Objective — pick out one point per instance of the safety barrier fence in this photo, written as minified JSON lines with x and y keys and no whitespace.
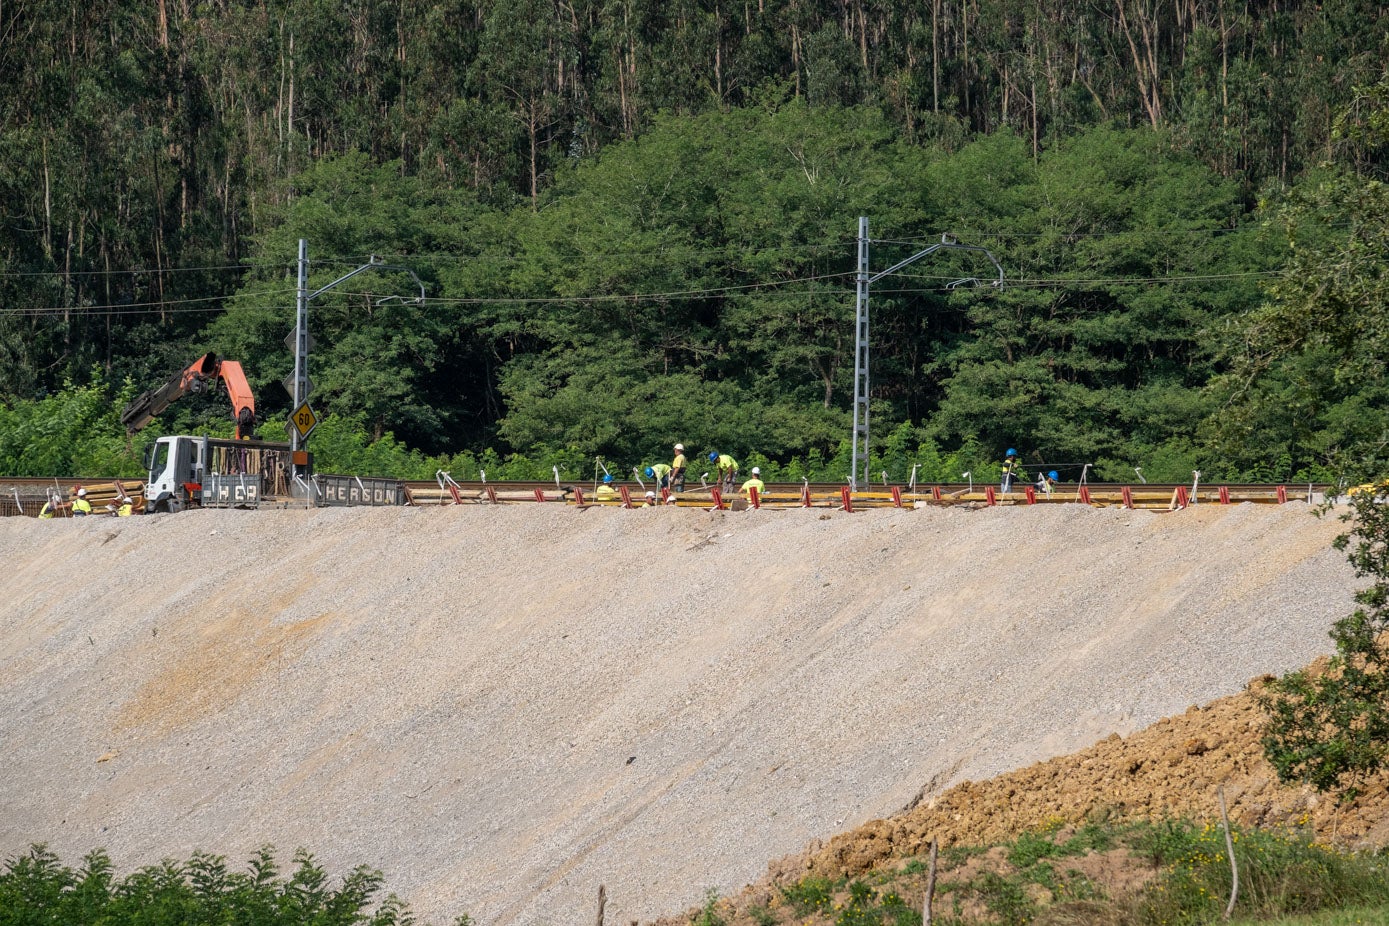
{"x":27,"y":496}
{"x":1164,"y":498}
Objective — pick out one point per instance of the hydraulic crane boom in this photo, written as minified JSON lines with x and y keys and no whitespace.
{"x":206,"y":369}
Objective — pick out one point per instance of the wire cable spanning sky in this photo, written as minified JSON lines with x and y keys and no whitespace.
{"x":838,"y":285}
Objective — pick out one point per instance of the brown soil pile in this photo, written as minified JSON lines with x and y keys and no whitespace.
{"x":1172,"y":769}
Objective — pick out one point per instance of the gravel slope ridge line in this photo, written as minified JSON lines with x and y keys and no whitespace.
{"x":504,"y":707}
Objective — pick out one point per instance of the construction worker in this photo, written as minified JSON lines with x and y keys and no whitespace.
{"x":677,"y":469}
{"x":754,"y":483}
{"x":661,"y":473}
{"x":650,"y":500}
{"x":727,"y":468}
{"x":1048,"y":482}
{"x":1011,"y":468}
{"x":123,"y":504}
{"x":80,"y":506}
{"x":606,"y":492}
{"x":50,"y":507}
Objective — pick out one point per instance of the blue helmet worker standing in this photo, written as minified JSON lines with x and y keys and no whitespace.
{"x":1011,"y":468}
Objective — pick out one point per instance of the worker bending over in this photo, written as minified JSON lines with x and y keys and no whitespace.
{"x":661,"y":473}
{"x":727,"y":468}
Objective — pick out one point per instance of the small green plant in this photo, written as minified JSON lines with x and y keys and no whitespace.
{"x":1030,"y":848}
{"x":1005,"y":899}
{"x":761,"y":915}
{"x":709,"y":913}
{"x":861,"y":909}
{"x":809,"y":895}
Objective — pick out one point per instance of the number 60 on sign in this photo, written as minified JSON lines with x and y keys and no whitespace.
{"x":303,"y":421}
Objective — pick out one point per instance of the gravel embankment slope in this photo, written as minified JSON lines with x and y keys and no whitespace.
{"x":504,"y":707}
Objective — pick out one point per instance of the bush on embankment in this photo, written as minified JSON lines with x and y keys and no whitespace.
{"x":36,"y":889}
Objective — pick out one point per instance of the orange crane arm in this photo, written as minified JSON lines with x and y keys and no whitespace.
{"x":205,"y":369}
{"x":239,"y":391}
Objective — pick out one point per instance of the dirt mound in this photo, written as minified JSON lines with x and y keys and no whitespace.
{"x":504,"y":707}
{"x":1172,"y":769}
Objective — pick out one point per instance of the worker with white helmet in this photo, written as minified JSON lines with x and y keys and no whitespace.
{"x":755,"y":483}
{"x":80,"y":506}
{"x":677,"y":469}
{"x":51,"y":506}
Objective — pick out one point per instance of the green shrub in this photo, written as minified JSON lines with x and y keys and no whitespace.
{"x":809,"y":895}
{"x":35,"y":889}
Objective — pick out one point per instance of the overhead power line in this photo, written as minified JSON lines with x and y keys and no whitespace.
{"x":774,"y":289}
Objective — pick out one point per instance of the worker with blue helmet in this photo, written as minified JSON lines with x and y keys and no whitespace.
{"x":659,"y":472}
{"x":1047,"y":482}
{"x":1011,"y":468}
{"x":606,"y":492}
{"x":727,"y":468}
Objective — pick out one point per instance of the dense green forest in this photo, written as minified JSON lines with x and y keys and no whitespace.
{"x":636,"y":223}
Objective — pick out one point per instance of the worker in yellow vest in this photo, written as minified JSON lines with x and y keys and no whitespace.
{"x":677,"y":469}
{"x":80,"y":506}
{"x":606,"y":492}
{"x":727,"y":468}
{"x":50,"y":507}
{"x":754,"y":483}
{"x":661,"y":473}
{"x":1011,"y":468}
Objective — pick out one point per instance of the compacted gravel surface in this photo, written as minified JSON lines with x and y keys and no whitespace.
{"x":504,"y":707}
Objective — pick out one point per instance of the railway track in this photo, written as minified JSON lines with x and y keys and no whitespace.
{"x":26,"y":495}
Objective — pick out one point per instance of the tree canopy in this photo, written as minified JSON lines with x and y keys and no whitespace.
{"x":635,"y":223}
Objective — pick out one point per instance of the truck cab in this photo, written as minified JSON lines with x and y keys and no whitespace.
{"x":174,"y":470}
{"x":185,"y":471}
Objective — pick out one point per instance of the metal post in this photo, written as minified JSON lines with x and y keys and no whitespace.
{"x":301,"y":323}
{"x":860,"y":438}
{"x":301,"y":342}
{"x":865,"y":280}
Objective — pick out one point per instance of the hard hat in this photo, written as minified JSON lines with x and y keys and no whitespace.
{"x":1052,"y":475}
{"x":713,"y":455}
{"x":81,"y":493}
{"x":650,"y":471}
{"x":650,"y":494}
{"x":756,"y":471}
{"x":679,"y":446}
{"x":1011,"y":452}
{"x":607,"y":477}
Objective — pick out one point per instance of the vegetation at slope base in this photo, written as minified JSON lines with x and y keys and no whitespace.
{"x":1120,"y":794}
{"x":1098,"y":874}
{"x":37,"y":888}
